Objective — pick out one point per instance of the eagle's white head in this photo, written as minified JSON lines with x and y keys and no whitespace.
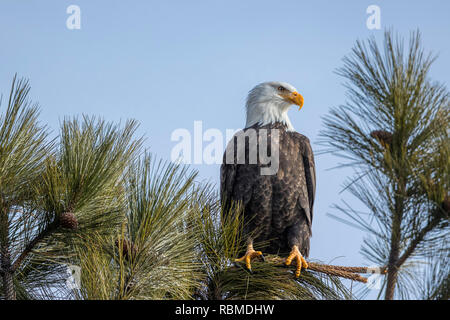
{"x":269,"y":102}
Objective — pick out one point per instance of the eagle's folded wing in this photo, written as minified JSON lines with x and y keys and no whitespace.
{"x":310,"y":173}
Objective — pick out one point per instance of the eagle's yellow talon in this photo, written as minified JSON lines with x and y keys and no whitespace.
{"x":249,"y":255}
{"x":300,"y":261}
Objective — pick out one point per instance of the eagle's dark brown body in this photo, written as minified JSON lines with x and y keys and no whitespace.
{"x":278,"y":208}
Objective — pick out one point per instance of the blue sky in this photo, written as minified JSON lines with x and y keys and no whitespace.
{"x":169,"y":63}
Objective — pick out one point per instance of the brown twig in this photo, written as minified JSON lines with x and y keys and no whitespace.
{"x":350,"y":269}
{"x":330,"y":270}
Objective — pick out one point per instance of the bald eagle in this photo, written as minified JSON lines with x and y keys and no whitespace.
{"x":278,"y":205}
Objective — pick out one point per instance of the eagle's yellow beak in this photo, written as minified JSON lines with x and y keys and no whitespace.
{"x":294,"y":98}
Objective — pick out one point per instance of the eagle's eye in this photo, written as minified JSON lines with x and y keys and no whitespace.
{"x":281,"y":89}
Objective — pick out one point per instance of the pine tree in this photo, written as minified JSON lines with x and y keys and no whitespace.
{"x":54,"y":192}
{"x":393,"y":132}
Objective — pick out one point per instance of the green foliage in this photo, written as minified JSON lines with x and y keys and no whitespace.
{"x":393,"y":131}
{"x":153,"y":256}
{"x":83,"y":175}
{"x":23,"y":147}
{"x":23,"y":144}
{"x":437,"y":277}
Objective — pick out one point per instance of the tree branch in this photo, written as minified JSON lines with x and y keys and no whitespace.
{"x":415,"y":242}
{"x":44,"y":233}
{"x":339,"y":271}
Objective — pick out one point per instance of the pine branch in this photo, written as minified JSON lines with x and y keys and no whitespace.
{"x":416,"y":241}
{"x":39,"y":237}
{"x":394,"y":127}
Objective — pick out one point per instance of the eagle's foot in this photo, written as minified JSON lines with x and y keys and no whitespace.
{"x":249,"y":255}
{"x":301,"y":262}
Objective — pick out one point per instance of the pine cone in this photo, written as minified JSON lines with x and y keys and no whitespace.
{"x":68,"y":220}
{"x":128,"y":248}
{"x":384,"y":137}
